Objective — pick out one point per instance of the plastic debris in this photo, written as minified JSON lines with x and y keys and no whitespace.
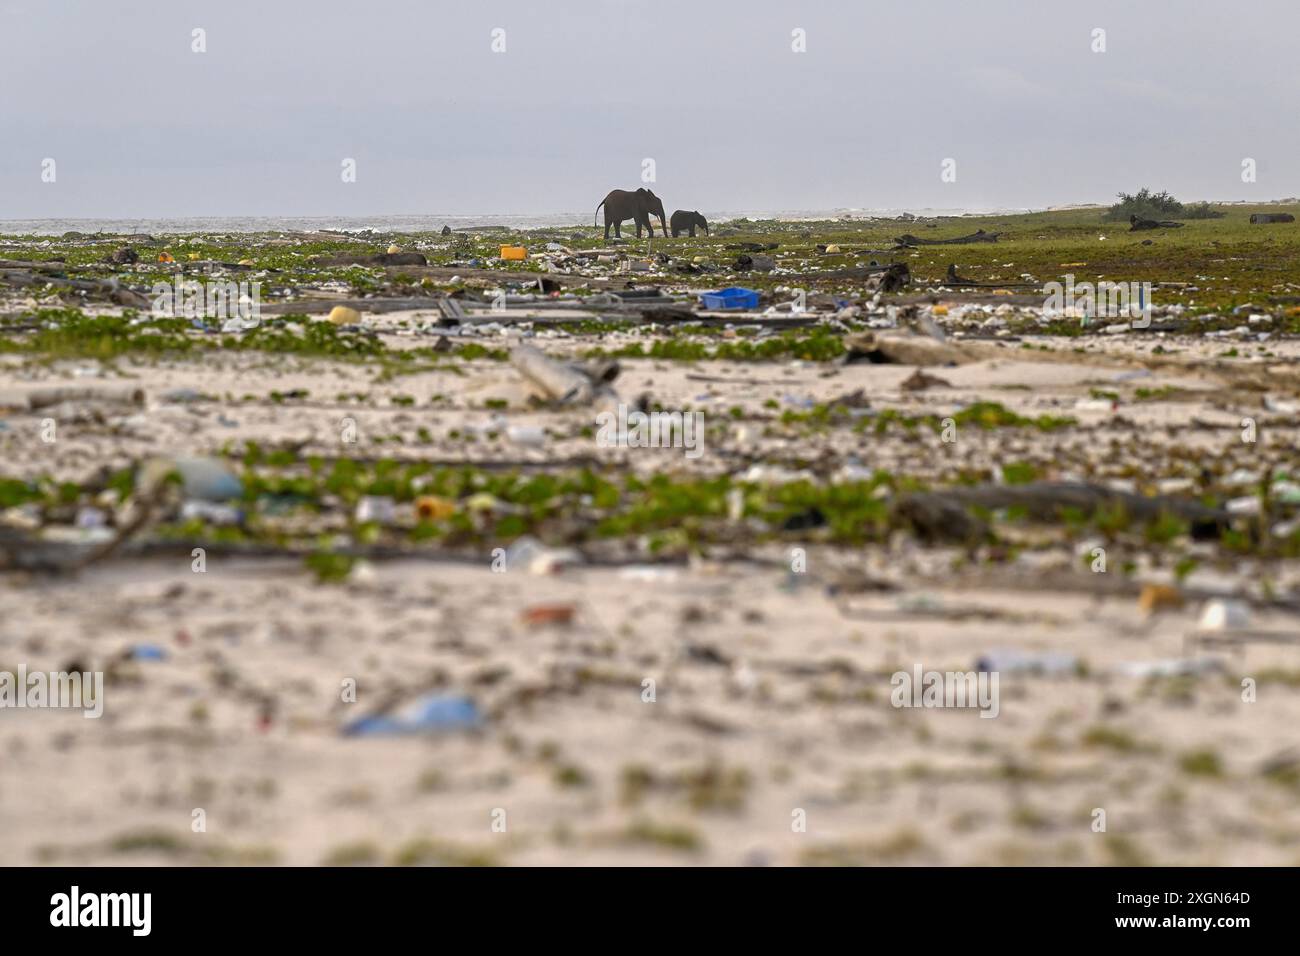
{"x":563,"y":383}
{"x":529,"y":554}
{"x":427,"y":714}
{"x":532,"y":436}
{"x":1159,"y":597}
{"x":342,"y":315}
{"x":735,"y":297}
{"x":1224,"y":614}
{"x":239,"y":324}
{"x":545,"y":615}
{"x":434,"y":508}
{"x":1022,"y":662}
{"x":1171,"y":667}
{"x":88,"y":517}
{"x":648,"y":573}
{"x":377,"y":508}
{"x":206,"y":479}
{"x":211,"y":512}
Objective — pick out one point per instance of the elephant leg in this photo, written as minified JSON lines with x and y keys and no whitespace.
{"x":692,"y":232}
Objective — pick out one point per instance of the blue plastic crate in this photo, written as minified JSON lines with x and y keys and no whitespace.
{"x":733,"y":298}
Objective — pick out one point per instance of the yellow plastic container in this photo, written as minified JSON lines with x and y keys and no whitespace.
{"x":517,"y":253}
{"x":342,"y":315}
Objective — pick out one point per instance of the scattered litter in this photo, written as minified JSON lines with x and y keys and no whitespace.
{"x":565,"y":384}
{"x":1010,"y":661}
{"x":213,"y":513}
{"x":343,"y":315}
{"x":760,"y":473}
{"x":735,"y":297}
{"x":531,"y":436}
{"x":648,"y":573}
{"x":432,"y":712}
{"x":207,"y":479}
{"x":546,"y":615}
{"x":529,"y":554}
{"x":377,"y":508}
{"x":434,"y":508}
{"x":88,"y":517}
{"x":1224,"y":614}
{"x":239,"y":324}
{"x":1248,"y":505}
{"x":1171,"y":667}
{"x":1159,"y":597}
{"x":1281,"y":405}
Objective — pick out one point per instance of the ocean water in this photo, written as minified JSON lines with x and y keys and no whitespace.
{"x":561,"y":220}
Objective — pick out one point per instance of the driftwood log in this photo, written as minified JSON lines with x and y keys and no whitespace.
{"x":117,"y":395}
{"x":109,"y":289}
{"x":978,"y":236}
{"x":154,"y":499}
{"x":952,"y":279}
{"x":900,"y":349}
{"x":1137,"y":225}
{"x":559,"y":382}
{"x":371,"y":259}
{"x":945,"y":516}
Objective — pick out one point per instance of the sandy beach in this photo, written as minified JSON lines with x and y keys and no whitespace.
{"x":713,"y":687}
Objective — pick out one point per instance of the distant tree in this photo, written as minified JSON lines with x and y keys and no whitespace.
{"x":1148,"y":205}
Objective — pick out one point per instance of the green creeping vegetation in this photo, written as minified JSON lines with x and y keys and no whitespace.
{"x":292,"y":503}
{"x":501,"y":506}
{"x":329,"y":567}
{"x":983,"y":415}
{"x":70,"y":333}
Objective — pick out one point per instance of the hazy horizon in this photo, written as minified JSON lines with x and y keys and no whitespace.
{"x":258,"y":125}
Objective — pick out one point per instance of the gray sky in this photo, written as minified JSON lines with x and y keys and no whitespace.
{"x":139,"y":125}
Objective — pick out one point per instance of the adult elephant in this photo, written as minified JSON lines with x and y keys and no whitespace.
{"x":621,"y":205}
{"x":683,"y":220}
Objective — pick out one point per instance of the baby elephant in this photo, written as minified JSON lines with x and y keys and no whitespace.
{"x":683,"y":220}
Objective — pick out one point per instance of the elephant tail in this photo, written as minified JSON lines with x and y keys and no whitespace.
{"x":593,"y":215}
